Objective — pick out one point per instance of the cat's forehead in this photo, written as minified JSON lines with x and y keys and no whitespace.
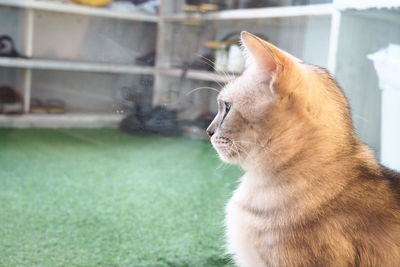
{"x":243,"y":87}
{"x":229,"y":91}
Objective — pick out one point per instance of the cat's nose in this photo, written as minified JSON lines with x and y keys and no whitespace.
{"x":211,"y":128}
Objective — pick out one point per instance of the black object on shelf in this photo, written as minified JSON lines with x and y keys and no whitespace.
{"x":147,"y":60}
{"x":7,"y":47}
{"x":201,"y":121}
{"x":309,"y":2}
{"x":161,"y":121}
{"x":243,"y":4}
{"x":151,"y":121}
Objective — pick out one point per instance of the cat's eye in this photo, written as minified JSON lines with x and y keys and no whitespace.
{"x":228,"y":107}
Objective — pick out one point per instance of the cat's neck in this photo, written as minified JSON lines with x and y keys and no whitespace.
{"x":303,"y":181}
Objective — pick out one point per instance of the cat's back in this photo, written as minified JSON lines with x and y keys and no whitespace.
{"x":393,"y":177}
{"x":360,"y":227}
{"x":369,"y":216}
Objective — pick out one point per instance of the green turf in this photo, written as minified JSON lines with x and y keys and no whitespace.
{"x":102,"y":198}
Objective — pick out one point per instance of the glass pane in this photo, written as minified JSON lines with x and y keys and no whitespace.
{"x":105,"y":157}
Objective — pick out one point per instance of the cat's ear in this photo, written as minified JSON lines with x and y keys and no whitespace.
{"x":258,"y":52}
{"x":268,"y":58}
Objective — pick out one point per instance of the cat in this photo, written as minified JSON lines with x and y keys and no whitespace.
{"x":312,"y":193}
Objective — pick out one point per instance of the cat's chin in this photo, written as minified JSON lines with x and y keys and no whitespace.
{"x":229,"y":155}
{"x":227,"y":150}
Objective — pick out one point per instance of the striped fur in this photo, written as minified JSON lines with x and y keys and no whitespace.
{"x":312,"y":193}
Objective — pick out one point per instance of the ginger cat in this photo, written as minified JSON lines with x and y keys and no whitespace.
{"x":312,"y":193}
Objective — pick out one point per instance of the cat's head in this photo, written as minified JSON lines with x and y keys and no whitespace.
{"x":276,"y":107}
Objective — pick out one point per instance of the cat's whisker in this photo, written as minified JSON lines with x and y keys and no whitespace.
{"x":222,"y":166}
{"x":257,"y":144}
{"x":208,"y":61}
{"x":244,"y":151}
{"x":263,"y":147}
{"x":239,"y":154}
{"x":229,"y":78}
{"x":190,"y":92}
{"x":200,"y":88}
{"x":232,"y":75}
{"x":212,"y":65}
{"x":219,"y":166}
{"x":254,"y":144}
{"x":235,"y":150}
{"x":240,"y":149}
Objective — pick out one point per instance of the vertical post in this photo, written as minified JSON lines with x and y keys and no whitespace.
{"x":28,"y":51}
{"x":334,"y":41}
{"x":160,"y":51}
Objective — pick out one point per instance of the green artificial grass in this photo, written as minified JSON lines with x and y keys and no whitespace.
{"x":83,"y":197}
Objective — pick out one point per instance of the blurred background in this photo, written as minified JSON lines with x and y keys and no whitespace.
{"x":104,"y":159}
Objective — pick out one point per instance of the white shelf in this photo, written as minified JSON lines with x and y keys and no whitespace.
{"x":365,"y":4}
{"x":77,"y":9}
{"x":73,"y":66}
{"x":258,"y":13}
{"x":198,"y":75}
{"x":41,"y":64}
{"x":60,"y":120}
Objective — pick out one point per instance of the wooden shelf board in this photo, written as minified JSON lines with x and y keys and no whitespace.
{"x":78,"y":9}
{"x":73,"y":66}
{"x":67,"y":120}
{"x":257,"y":13}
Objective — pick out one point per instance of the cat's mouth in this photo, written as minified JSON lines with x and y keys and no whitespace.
{"x":222,"y":141}
{"x":226,"y":148}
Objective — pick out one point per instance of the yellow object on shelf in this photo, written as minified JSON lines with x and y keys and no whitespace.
{"x":213,"y":44}
{"x":93,"y":2}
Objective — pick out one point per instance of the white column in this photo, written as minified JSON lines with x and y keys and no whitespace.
{"x":334,"y":41}
{"x":28,"y":51}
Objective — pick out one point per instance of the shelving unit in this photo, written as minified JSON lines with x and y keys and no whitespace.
{"x":31,"y":20}
{"x":337,"y":36}
{"x":319,"y":34}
